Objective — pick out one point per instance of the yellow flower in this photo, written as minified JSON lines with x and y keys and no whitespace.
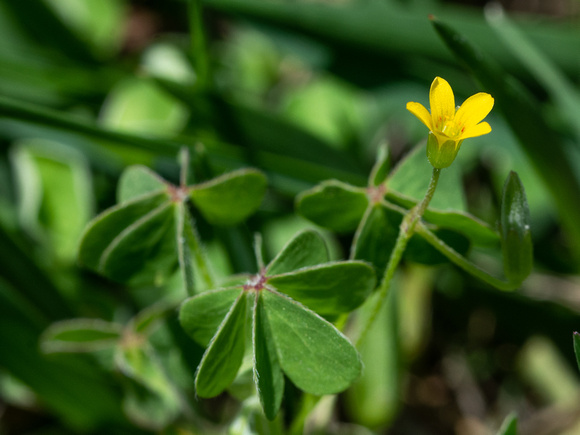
{"x":449,"y":125}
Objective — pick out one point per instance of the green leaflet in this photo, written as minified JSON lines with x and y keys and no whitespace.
{"x":138,"y":105}
{"x":80,"y":335}
{"x":268,"y":375}
{"x":330,"y":288}
{"x":312,"y":352}
{"x":102,"y":230}
{"x":230,"y":198}
{"x":145,"y":248}
{"x":306,"y":249}
{"x":281,"y":324}
{"x":150,"y":232}
{"x":223,"y":357}
{"x":334,"y":205}
{"x":138,"y":180}
{"x":202,"y":315}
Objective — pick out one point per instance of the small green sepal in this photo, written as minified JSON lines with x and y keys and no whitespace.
{"x":441,"y":156}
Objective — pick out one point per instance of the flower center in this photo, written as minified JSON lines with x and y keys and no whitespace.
{"x":448,"y":126}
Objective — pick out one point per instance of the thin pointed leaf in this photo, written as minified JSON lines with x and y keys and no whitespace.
{"x":223,"y":358}
{"x":316,"y":357}
{"x":334,"y":205}
{"x":268,"y":375}
{"x":80,"y":335}
{"x":230,"y":198}
{"x":330,"y":288}
{"x":305,"y":249}
{"x":201,"y":315}
{"x":138,"y":180}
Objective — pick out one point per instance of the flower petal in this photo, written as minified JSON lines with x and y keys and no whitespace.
{"x":441,"y":100}
{"x":474,"y":109}
{"x":420,"y":112}
{"x":476,"y":130}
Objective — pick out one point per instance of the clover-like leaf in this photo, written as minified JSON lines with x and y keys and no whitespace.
{"x":230,"y":198}
{"x":334,"y":205}
{"x":150,"y":232}
{"x":121,"y":241}
{"x":330,"y":288}
{"x":312,"y":352}
{"x":138,"y":180}
{"x":223,"y":357}
{"x":202,"y":315}
{"x":147,"y":247}
{"x":288,"y":335}
{"x":268,"y":375}
{"x":306,"y":249}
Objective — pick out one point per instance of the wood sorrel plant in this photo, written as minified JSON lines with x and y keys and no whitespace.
{"x":285,"y":320}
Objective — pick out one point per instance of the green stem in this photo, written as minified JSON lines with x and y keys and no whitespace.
{"x":200,"y":257}
{"x":463,"y":262}
{"x":188,"y":245}
{"x":406,"y":230}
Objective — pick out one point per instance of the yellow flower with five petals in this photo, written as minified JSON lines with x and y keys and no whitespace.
{"x":449,"y":126}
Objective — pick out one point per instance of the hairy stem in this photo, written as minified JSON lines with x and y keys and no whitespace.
{"x":406,"y":230}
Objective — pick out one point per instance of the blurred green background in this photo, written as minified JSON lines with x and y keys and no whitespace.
{"x":305,"y":91}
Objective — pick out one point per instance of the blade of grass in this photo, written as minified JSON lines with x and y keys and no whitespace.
{"x":199,"y":52}
{"x":562,"y":91}
{"x":396,"y":29}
